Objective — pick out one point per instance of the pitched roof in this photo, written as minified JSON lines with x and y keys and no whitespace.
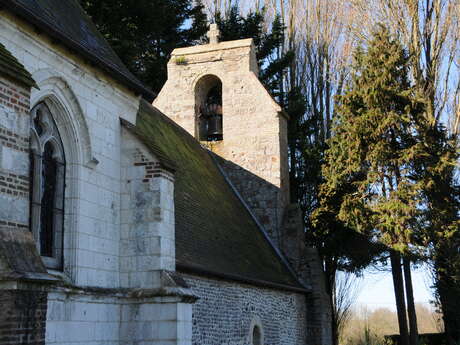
{"x":12,"y":68}
{"x":215,"y":233}
{"x":66,"y":22}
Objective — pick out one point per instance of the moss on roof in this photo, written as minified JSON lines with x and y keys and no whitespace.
{"x":214,"y":231}
{"x":67,"y":23}
{"x":12,"y":68}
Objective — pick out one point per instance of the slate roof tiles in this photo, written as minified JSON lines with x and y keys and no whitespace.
{"x":215,"y":233}
{"x":12,"y":68}
{"x":67,"y":22}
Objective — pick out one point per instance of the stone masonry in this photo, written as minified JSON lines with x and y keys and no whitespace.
{"x":254,"y":145}
{"x":147,"y":229}
{"x":224,"y":313}
{"x":14,"y":153}
{"x":23,"y":308}
{"x":253,"y":152}
{"x":109,"y":292}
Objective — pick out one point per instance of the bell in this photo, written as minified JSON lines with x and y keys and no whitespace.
{"x":215,"y":127}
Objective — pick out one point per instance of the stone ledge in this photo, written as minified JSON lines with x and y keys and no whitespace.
{"x":206,"y":48}
{"x":173,"y":287}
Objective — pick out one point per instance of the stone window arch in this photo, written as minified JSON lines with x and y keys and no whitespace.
{"x":256,"y":332}
{"x":47,"y":171}
{"x":209,"y":109}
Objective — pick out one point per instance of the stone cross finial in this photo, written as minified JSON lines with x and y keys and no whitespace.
{"x":213,"y":34}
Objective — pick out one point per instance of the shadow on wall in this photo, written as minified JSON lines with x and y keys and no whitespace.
{"x":262,"y":197}
{"x":284,"y":226}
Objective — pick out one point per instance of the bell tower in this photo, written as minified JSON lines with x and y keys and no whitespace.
{"x":214,"y":93}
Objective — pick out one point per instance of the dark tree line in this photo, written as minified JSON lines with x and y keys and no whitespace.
{"x":144,"y":32}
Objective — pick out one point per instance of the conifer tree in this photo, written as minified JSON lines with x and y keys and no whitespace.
{"x":273,"y":61}
{"x":144,"y":32}
{"x":441,"y":189}
{"x":369,"y":165}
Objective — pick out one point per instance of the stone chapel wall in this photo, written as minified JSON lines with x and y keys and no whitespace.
{"x":90,"y":302}
{"x":147,"y":226}
{"x":225,"y":311}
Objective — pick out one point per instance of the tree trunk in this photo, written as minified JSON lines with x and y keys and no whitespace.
{"x":413,"y":331}
{"x":448,"y":291}
{"x":330,"y":272}
{"x":399,"y":297}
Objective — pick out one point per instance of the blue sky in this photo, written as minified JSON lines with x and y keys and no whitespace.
{"x":377,"y":289}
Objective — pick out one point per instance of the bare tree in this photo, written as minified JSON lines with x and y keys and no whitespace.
{"x":430,"y":30}
{"x":346,"y":291}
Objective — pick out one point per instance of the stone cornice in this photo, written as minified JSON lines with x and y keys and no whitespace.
{"x":207,"y":48}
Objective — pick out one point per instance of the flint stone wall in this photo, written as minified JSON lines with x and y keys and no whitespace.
{"x":225,"y":312}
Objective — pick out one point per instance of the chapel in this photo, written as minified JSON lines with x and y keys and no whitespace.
{"x":130,"y":218}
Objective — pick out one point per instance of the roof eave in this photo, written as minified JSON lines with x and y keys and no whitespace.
{"x":28,"y":16}
{"x":193,"y":269}
{"x":164,"y":163}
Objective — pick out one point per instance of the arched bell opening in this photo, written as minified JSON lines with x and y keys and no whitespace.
{"x":208,"y":109}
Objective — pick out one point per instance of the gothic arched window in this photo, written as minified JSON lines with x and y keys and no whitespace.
{"x":47,"y":164}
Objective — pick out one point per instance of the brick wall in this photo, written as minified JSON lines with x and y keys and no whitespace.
{"x":14,"y":156}
{"x":14,"y":96}
{"x":22,"y":317}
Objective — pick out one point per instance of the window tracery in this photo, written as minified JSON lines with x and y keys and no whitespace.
{"x":47,"y":162}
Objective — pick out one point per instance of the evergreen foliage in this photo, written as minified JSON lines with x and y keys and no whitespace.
{"x":273,"y":61}
{"x":441,"y":190}
{"x":369,"y":165}
{"x":144,"y":32}
{"x":389,"y":171}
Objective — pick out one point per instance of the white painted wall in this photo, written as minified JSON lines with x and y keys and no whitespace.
{"x":87,"y":107}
